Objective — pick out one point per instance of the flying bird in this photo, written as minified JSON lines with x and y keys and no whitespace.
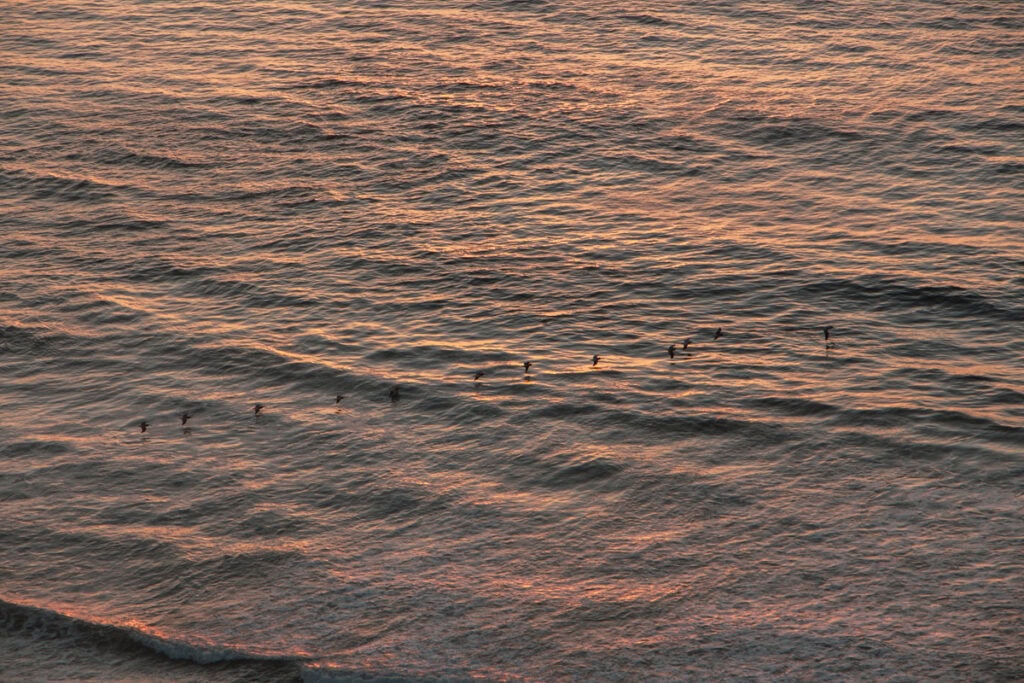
{"x":478,"y":374}
{"x":594,"y":360}
{"x":825,"y":331}
{"x":256,"y":409}
{"x":185,"y":417}
{"x":686,"y":343}
{"x":718,"y":333}
{"x":526,"y":367}
{"x":672,"y":351}
{"x":337,"y":399}
{"x":143,"y":426}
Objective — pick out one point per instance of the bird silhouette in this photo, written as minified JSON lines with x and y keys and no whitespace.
{"x":686,"y":343}
{"x":394,"y":394}
{"x":672,"y":351}
{"x":143,"y":426}
{"x":825,"y":330}
{"x":594,"y":360}
{"x":718,"y":333}
{"x":185,"y":417}
{"x":257,"y":409}
{"x":526,"y":367}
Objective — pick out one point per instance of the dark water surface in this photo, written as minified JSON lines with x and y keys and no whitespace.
{"x":204,"y":206}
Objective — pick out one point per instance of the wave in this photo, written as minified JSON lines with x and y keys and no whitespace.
{"x":777,"y":131}
{"x":432,"y":355}
{"x":539,"y":6}
{"x":246,"y":293}
{"x":648,"y":19}
{"x":146,"y":650}
{"x":152,"y":269}
{"x":376,"y":503}
{"x":336,"y":675}
{"x":18,"y":339}
{"x":324,"y":83}
{"x":627,"y":423}
{"x":47,"y":186}
{"x":882,"y":294}
{"x":958,"y":421}
{"x":139,"y":654}
{"x":584,"y":472}
{"x":267,"y":365}
{"x":121,"y":156}
{"x":794,"y":405}
{"x":111,"y":223}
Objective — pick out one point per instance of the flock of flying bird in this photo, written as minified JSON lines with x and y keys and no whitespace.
{"x":394,"y":394}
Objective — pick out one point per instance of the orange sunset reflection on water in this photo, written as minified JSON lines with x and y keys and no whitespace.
{"x":272,"y":272}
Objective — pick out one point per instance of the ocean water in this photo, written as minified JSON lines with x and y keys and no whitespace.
{"x":205,"y":206}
